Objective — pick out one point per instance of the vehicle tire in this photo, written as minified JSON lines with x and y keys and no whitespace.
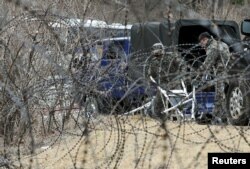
{"x":238,"y":103}
{"x":91,"y":107}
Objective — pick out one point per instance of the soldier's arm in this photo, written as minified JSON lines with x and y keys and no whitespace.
{"x":210,"y":60}
{"x":225,"y":55}
{"x":147,"y":67}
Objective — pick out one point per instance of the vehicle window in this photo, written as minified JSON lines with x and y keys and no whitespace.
{"x":115,"y":50}
{"x":190,"y":34}
{"x":228,"y":32}
{"x":188,"y":45}
{"x":96,"y":52}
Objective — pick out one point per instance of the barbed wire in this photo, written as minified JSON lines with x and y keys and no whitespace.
{"x":62,"y":110}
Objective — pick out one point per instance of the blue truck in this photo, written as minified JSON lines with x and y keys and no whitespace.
{"x":108,"y":88}
{"x":118,"y":91}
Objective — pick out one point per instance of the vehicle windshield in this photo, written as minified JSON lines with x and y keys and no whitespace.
{"x":113,"y":48}
{"x":106,"y":49}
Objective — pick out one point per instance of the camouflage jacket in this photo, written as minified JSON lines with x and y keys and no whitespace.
{"x":161,"y":68}
{"x":218,"y":56}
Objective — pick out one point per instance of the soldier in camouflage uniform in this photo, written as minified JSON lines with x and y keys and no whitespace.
{"x":161,"y":67}
{"x":218,"y":57}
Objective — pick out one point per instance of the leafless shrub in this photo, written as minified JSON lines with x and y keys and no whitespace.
{"x":50,"y":89}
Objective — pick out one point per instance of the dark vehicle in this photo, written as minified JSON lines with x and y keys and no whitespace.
{"x":238,"y":96}
{"x":181,"y":37}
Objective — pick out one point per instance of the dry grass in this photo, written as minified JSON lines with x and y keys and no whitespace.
{"x":109,"y":141}
{"x":137,"y":142}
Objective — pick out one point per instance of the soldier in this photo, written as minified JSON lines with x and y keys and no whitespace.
{"x":161,"y":67}
{"x":154,"y":62}
{"x":217,"y":60}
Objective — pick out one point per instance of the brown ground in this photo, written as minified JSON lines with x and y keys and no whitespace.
{"x":134,"y":141}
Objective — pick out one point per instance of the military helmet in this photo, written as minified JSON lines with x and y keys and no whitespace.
{"x":157,"y":49}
